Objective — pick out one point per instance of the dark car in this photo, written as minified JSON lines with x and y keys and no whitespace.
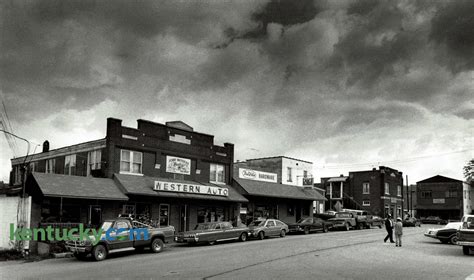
{"x":268,"y":227}
{"x":213,"y":232}
{"x":446,"y":234}
{"x":433,"y":220}
{"x":307,"y":225}
{"x":411,"y":222}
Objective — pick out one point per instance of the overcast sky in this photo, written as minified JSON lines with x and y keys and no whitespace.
{"x":344,"y":84}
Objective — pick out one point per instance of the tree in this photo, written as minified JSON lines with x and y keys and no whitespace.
{"x":469,"y":171}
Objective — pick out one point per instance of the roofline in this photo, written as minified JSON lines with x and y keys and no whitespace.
{"x":156,"y":123}
{"x":274,"y":157}
{"x":55,"y":150}
{"x":441,"y":182}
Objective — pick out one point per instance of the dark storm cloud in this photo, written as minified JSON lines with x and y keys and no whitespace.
{"x":453,"y":27}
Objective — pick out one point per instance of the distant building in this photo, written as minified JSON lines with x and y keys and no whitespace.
{"x":444,"y":197}
{"x":379,"y":192}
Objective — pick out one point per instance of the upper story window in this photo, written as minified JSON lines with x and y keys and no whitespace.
{"x":70,"y":164}
{"x":366,"y":203}
{"x":130,"y":161}
{"x":387,"y":188}
{"x":50,"y":166}
{"x":289,"y":175}
{"x":365,"y":188}
{"x":399,"y":190}
{"x":426,"y":194}
{"x":32,"y":167}
{"x":17,"y":174}
{"x":305,"y":174}
{"x":217,"y":174}
{"x":451,"y":193}
{"x":94,"y":160}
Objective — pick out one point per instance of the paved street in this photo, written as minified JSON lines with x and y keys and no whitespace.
{"x":333,"y":255}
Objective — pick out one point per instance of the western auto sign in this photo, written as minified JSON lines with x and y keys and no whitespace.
{"x":257,"y":175}
{"x":165,"y":186}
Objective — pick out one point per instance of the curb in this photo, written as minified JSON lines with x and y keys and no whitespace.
{"x":62,"y":255}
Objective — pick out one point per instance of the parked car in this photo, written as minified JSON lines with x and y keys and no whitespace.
{"x":268,"y":227}
{"x":213,"y":232}
{"x":377,"y":221}
{"x":466,"y":234}
{"x":446,"y":234}
{"x":433,"y":220}
{"x":307,"y":225}
{"x":411,"y":222}
{"x":131,"y":236}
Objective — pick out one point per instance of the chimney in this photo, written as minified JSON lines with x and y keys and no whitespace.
{"x":45,"y":146}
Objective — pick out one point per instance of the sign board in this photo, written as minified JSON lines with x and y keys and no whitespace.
{"x":438,"y":200}
{"x":178,"y":165}
{"x":166,"y":186}
{"x":257,"y":175}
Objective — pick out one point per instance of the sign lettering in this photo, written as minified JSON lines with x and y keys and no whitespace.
{"x":190,"y":188}
{"x":257,"y":175}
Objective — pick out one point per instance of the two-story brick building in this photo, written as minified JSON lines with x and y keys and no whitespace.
{"x":377,"y":191}
{"x":444,"y":197}
{"x":165,"y":172}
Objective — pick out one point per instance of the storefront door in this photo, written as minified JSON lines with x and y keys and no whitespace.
{"x":183,"y":217}
{"x":95,"y":215}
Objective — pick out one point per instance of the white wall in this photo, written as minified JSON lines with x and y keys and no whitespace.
{"x":9,"y":208}
{"x":468,"y":198}
{"x":298,"y":167}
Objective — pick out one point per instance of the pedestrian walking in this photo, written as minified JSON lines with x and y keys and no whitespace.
{"x":389,"y":228}
{"x":398,"y":232}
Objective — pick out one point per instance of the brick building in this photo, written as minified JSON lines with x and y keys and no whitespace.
{"x":445,"y":197}
{"x":379,"y":192}
{"x":164,"y":172}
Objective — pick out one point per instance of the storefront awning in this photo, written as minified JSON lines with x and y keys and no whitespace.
{"x":337,"y":179}
{"x":144,"y":185}
{"x":260,"y":188}
{"x":57,"y":185}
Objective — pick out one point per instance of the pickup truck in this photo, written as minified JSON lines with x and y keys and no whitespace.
{"x":119,"y":235}
{"x":349,"y":220}
{"x":465,"y":234}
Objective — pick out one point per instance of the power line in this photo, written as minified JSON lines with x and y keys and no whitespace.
{"x":10,"y":126}
{"x":398,"y":161}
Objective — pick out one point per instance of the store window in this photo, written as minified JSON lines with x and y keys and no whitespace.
{"x":289,"y":175}
{"x":366,"y":203}
{"x":217,"y":174}
{"x":451,"y":193}
{"x":130,"y":162}
{"x":387,"y":188}
{"x":305,"y":211}
{"x":365,"y":188}
{"x":164,"y":215}
{"x":210,"y":214}
{"x":399,"y":211}
{"x":426,"y":194}
{"x":50,"y":166}
{"x":70,"y":165}
{"x":290,"y":210}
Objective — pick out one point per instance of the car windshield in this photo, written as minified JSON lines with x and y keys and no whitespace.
{"x":343,"y":215}
{"x":205,"y":226}
{"x":105,"y":226}
{"x":257,"y":223}
{"x":305,"y":220}
{"x":453,"y":225}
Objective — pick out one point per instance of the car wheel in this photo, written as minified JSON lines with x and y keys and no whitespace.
{"x":157,"y":245}
{"x":454,"y":239}
{"x":99,"y":252}
{"x":348,"y":227}
{"x":243,"y":237}
{"x":325,"y":229}
{"x":261,"y":235}
{"x":80,"y":256}
{"x":306,"y":230}
{"x":282,"y":233}
{"x":465,"y":250}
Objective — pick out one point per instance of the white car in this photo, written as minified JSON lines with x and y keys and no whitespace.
{"x":446,"y":234}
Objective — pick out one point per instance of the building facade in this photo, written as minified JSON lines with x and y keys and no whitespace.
{"x":444,"y":197}
{"x":276,"y":187}
{"x":377,"y":191}
{"x":165,"y":173}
